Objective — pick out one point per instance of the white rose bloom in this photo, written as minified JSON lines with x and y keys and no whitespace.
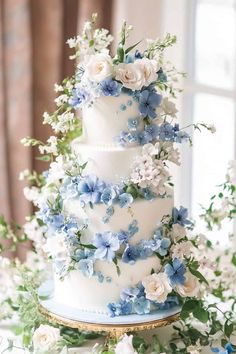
{"x":191,"y":286}
{"x":55,"y":245}
{"x":131,"y":75}
{"x":157,"y":287}
{"x":178,"y":232}
{"x":45,"y":338}
{"x":98,"y":67}
{"x":125,"y":345}
{"x":149,"y":69}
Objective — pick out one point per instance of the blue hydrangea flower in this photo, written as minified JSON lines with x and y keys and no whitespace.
{"x":180,"y":216}
{"x":107,"y":244}
{"x":69,"y":188}
{"x":125,"y":308}
{"x":110,"y":87}
{"x":79,"y":96}
{"x":175,"y":272}
{"x":114,"y":309}
{"x":56,"y":221}
{"x":123,"y":236}
{"x":130,"y":254}
{"x":86,"y":267}
{"x":144,"y":138}
{"x":129,"y":294}
{"x":90,"y":189}
{"x":108,"y":195}
{"x":152,"y":129}
{"x":170,"y":302}
{"x":141,"y":305}
{"x":133,"y":123}
{"x":148,"y":101}
{"x":143,"y":249}
{"x":228,"y":349}
{"x":125,"y":199}
{"x":132,"y":137}
{"x":168,"y":132}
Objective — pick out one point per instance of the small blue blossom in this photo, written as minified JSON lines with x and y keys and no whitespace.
{"x":83,"y":254}
{"x":141,"y":305}
{"x":108,"y":196}
{"x":148,"y":194}
{"x":69,"y":188}
{"x":130,"y":58}
{"x":170,"y":302}
{"x":144,"y":250}
{"x":168,"y":132}
{"x":130,"y":254}
{"x":133,"y":123}
{"x":132,"y":137}
{"x":129,"y":103}
{"x":144,"y":138}
{"x":90,"y":189}
{"x":175,"y":272}
{"x":79,"y":96}
{"x":133,"y":228}
{"x":129,"y":294}
{"x":125,"y":199}
{"x":153,"y":130}
{"x":114,"y":309}
{"x":180,"y":216}
{"x":228,"y":349}
{"x":100,"y":277}
{"x":86,"y":267}
{"x":109,"y":213}
{"x":107,"y":243}
{"x":161,"y":75}
{"x":123,"y":236}
{"x":182,"y":136}
{"x":148,"y":101}
{"x":110,"y":87}
{"x":164,"y":246}
{"x":123,"y":107}
{"x":125,"y":308}
{"x":56,"y":221}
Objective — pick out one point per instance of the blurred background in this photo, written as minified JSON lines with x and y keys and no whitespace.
{"x":34,"y":56}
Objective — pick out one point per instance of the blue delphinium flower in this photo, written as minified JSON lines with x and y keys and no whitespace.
{"x":130,"y":254}
{"x":180,"y":216}
{"x":108,"y":195}
{"x":152,"y":129}
{"x":175,"y":272}
{"x":148,"y":101}
{"x":86,"y":267}
{"x":129,"y":294}
{"x":125,"y":199}
{"x":144,"y":138}
{"x":110,"y":87}
{"x":141,"y":305}
{"x":79,"y":96}
{"x":107,"y":243}
{"x":90,"y":189}
{"x":133,"y":123}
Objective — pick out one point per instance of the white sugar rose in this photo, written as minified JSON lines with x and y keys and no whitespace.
{"x":45,"y":338}
{"x":131,"y":75}
{"x":125,"y":345}
{"x":98,"y":67}
{"x":149,"y":69}
{"x":157,"y":287}
{"x":191,"y":286}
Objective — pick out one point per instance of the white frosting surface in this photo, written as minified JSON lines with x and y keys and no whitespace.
{"x":147,"y":213}
{"x":88,"y":294}
{"x":105,"y":119}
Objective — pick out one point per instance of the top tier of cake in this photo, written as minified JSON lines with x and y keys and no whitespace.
{"x":107,"y":117}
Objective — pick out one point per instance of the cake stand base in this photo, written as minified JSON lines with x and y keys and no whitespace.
{"x":114,"y":327}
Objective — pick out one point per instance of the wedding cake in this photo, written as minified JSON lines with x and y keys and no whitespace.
{"x":117,"y":243}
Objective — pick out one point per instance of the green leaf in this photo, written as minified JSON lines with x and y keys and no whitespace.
{"x":44,"y":158}
{"x":132,"y":47}
{"x":198,"y":275}
{"x":120,"y":54}
{"x":189,"y":305}
{"x":233,"y":259}
{"x":201,"y":314}
{"x":92,"y":247}
{"x":228,"y":328}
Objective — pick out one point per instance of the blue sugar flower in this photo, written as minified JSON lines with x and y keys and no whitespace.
{"x":148,"y":101}
{"x":56,"y":221}
{"x":83,"y":254}
{"x":164,"y":246}
{"x":152,"y":129}
{"x":182,"y":136}
{"x":107,"y":243}
{"x":86,"y":267}
{"x":125,"y":308}
{"x":133,"y":228}
{"x":130,"y":254}
{"x":133,"y":123}
{"x":114,"y":309}
{"x":110,"y":87}
{"x":123,"y":236}
{"x":180,"y":216}
{"x":108,"y":196}
{"x":130,"y":58}
{"x":170,"y":302}
{"x":148,"y":194}
{"x":109,"y":213}
{"x":90,"y":189}
{"x":144,"y":250}
{"x":144,"y":138}
{"x":69,"y":188}
{"x":161,"y":75}
{"x":132,"y":137}
{"x":141,"y":306}
{"x":228,"y":349}
{"x":129,"y":294}
{"x":167,"y":132}
{"x":175,"y":272}
{"x":79,"y":96}
{"x":125,"y":199}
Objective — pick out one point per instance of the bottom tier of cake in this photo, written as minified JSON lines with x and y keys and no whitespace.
{"x":88,"y":294}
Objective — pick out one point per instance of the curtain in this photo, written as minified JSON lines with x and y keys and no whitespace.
{"x":33,"y":56}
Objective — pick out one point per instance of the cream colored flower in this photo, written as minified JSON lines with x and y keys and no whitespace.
{"x":149,"y":70}
{"x":191,"y":286}
{"x":45,"y":338}
{"x":157,"y":287}
{"x":131,"y":75}
{"x":98,"y":67}
{"x":55,"y":245}
{"x":178,"y":232}
{"x":125,"y":345}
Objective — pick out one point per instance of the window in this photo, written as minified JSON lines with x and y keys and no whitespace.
{"x":208,"y":42}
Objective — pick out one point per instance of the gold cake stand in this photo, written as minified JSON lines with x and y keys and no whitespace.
{"x":112,"y":330}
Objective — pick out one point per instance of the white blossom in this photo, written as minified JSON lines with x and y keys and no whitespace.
{"x":181,"y":250}
{"x":45,"y":338}
{"x":31,"y":194}
{"x":98,"y":67}
{"x":125,"y":345}
{"x":157,"y":287}
{"x":50,"y":148}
